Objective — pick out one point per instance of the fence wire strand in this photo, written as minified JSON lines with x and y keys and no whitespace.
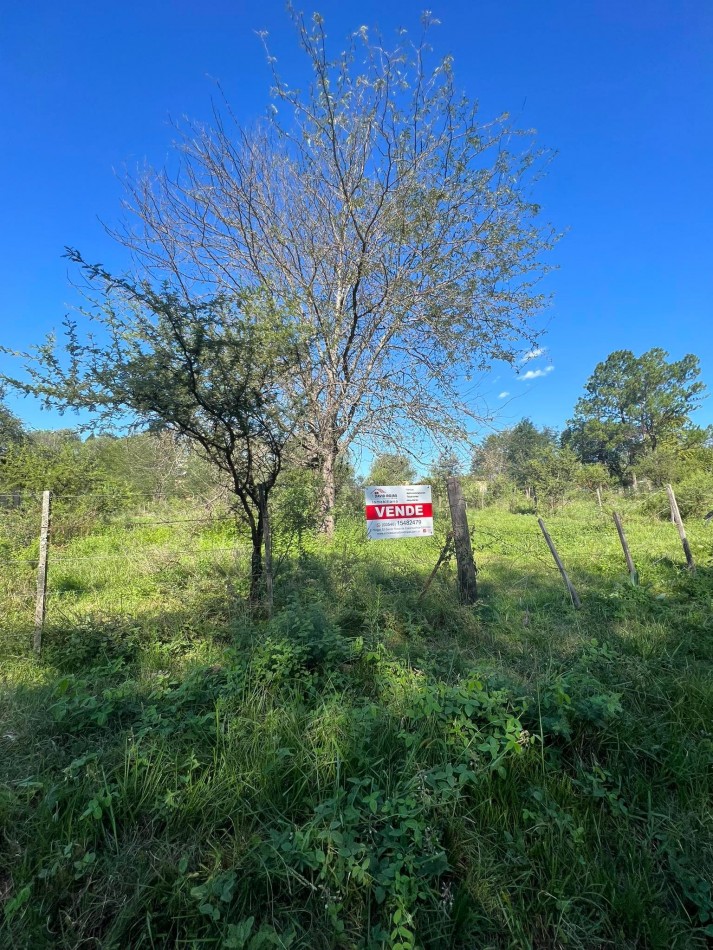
{"x":124,"y":556}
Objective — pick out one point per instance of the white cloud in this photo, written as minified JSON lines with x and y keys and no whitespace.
{"x":533,"y":354}
{"x":537,"y":373}
{"x":503,"y":394}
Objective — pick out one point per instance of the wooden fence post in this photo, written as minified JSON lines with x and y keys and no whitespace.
{"x":267,"y":539}
{"x":627,"y":553}
{"x":41,"y":600}
{"x":567,"y":582}
{"x":599,"y":498}
{"x":676,"y":517}
{"x":467,"y":584}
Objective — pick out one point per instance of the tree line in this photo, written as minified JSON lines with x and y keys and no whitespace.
{"x":614,"y":438}
{"x":633,"y":424}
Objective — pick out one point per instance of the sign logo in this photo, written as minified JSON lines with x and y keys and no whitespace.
{"x":380,"y":493}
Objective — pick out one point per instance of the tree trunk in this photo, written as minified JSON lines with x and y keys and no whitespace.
{"x":329,"y":492}
{"x":256,"y":535}
{"x":267,"y":541}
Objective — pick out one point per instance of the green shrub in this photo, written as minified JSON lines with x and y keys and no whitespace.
{"x":90,"y":642}
{"x":694,"y":496}
{"x":308,"y":628}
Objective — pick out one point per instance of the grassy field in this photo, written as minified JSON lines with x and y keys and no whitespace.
{"x":368,"y":768}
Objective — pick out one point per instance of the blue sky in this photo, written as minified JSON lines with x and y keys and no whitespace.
{"x":622,"y":91}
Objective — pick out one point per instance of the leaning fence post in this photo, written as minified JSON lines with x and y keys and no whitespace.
{"x":444,"y":556}
{"x":467,"y":584}
{"x":676,"y":517}
{"x":41,"y":600}
{"x":567,"y":582}
{"x":627,"y":553}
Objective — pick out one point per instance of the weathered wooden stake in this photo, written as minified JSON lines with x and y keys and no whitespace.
{"x":627,"y":553}
{"x":599,"y":498}
{"x":567,"y":582}
{"x":444,"y":556}
{"x":41,"y":601}
{"x":267,"y":539}
{"x":676,"y":516}
{"x":467,"y":584}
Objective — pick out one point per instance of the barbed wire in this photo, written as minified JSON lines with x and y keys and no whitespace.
{"x":148,"y":524}
{"x":521,"y":548}
{"x":119,"y":494}
{"x":236,"y":549}
{"x":132,"y":556}
{"x":105,"y":494}
{"x":137,"y":525}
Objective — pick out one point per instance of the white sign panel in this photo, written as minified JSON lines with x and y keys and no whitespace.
{"x":398,"y":511}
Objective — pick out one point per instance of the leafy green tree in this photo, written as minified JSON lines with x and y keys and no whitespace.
{"x":600,"y":443}
{"x":211,"y":371}
{"x":11,"y":429}
{"x":61,"y":462}
{"x":525,"y":443}
{"x":593,"y":475}
{"x":391,"y":469}
{"x":446,"y":465}
{"x":158,"y":463}
{"x":378,"y":205}
{"x":553,"y":472}
{"x":507,"y":454}
{"x":489,"y":459}
{"x":678,"y":458}
{"x":633,"y":404}
{"x":296,"y":500}
{"x":56,"y":461}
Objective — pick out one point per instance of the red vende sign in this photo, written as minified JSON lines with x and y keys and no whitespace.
{"x":393,"y":511}
{"x":398,"y":511}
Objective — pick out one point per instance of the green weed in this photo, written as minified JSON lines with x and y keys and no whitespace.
{"x":370,"y":768}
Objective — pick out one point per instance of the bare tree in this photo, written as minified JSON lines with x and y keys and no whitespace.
{"x":376,"y":206}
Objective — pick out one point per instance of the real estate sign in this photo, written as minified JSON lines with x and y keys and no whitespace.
{"x":398,"y":511}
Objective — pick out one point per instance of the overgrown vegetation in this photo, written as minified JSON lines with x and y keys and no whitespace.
{"x":368,"y":768}
{"x":364,"y":763}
